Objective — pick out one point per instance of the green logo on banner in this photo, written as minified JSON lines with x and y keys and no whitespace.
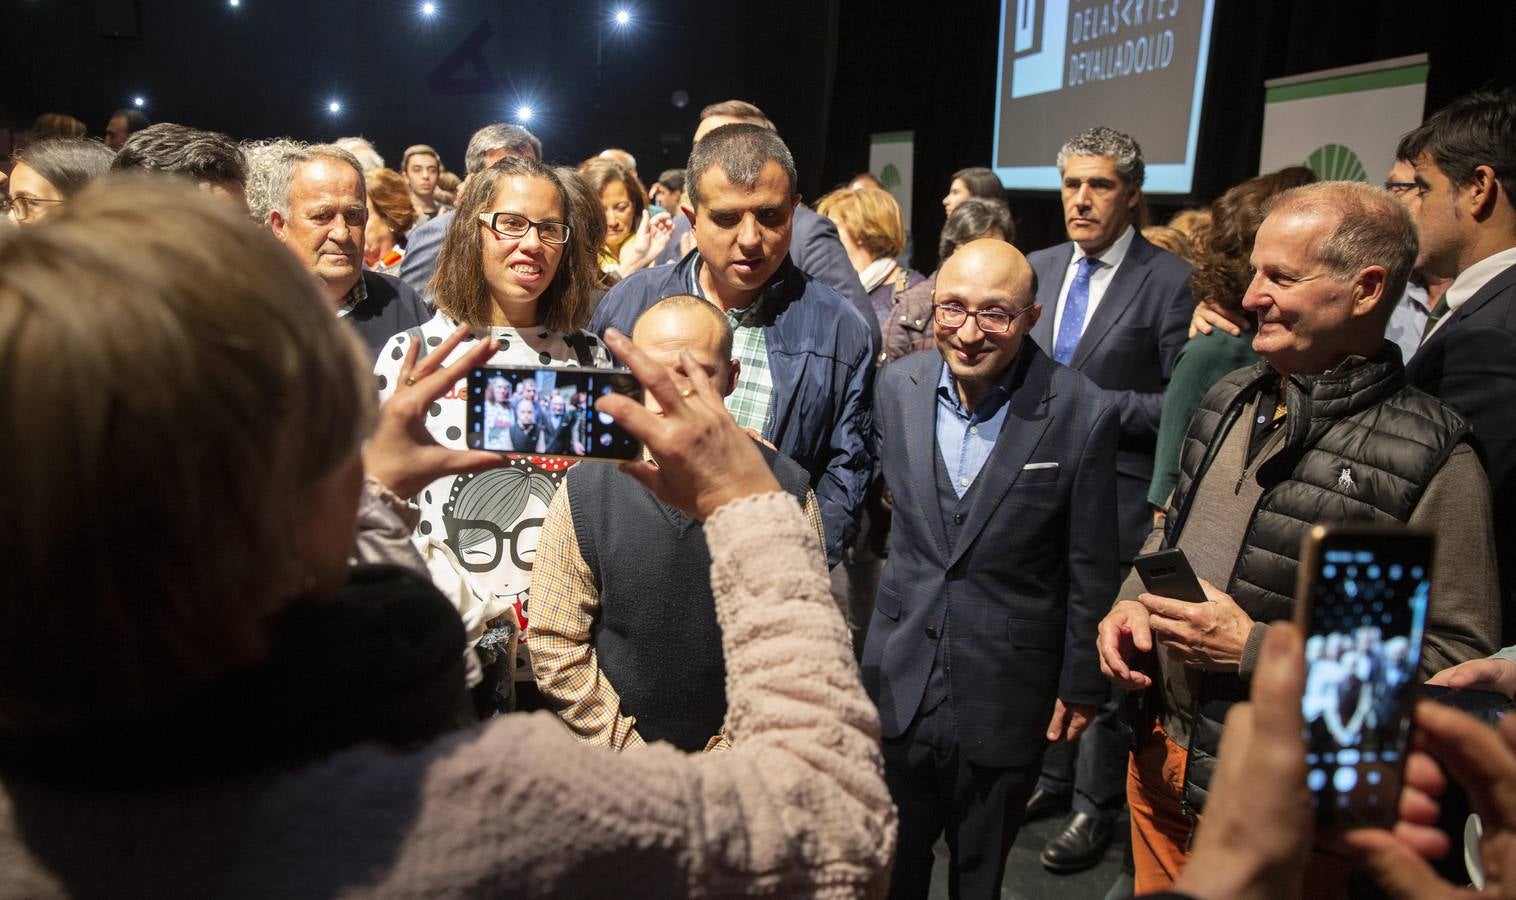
{"x":1334,"y":162}
{"x":890,"y":177}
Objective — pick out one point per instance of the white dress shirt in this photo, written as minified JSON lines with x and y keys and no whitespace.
{"x":1470,"y":280}
{"x":1100,"y":279}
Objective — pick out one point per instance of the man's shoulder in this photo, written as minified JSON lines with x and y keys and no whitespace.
{"x":818,"y":306}
{"x":907,"y":370}
{"x":1037,"y":257}
{"x":632,"y":295}
{"x":388,"y":293}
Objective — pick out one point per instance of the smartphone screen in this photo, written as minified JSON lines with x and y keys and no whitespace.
{"x":1367,"y":611}
{"x":548,"y":412}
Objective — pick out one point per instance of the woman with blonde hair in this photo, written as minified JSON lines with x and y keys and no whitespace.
{"x":224,"y":707}
{"x":390,"y":218}
{"x":869,"y":223}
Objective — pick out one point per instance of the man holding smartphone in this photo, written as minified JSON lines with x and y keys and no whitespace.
{"x":1323,"y":430}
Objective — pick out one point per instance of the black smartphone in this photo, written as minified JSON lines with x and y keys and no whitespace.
{"x":1487,"y":706}
{"x":1167,"y":573}
{"x":1361,"y":600}
{"x":549,"y":412}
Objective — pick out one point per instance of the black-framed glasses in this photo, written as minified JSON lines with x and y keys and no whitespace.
{"x":515,"y":225}
{"x":23,"y":206}
{"x":990,"y":321}
{"x":1400,"y":187}
{"x":497,"y":541}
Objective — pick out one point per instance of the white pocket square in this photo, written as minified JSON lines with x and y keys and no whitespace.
{"x":1032,"y":467}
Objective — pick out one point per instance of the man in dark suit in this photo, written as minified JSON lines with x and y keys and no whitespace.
{"x":1118,"y":310}
{"x":1465,"y":212}
{"x":1002,"y":560}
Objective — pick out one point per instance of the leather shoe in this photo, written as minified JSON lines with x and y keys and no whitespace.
{"x":1080,"y":844}
{"x":1045,"y":803}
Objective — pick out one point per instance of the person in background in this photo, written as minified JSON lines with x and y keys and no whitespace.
{"x":391,"y":216}
{"x":1220,"y":280}
{"x":909,"y":326}
{"x":49,"y":172}
{"x":320,"y":208}
{"x":447,"y":187}
{"x":866,"y":180}
{"x":57,"y":126}
{"x":208,"y":158}
{"x":1191,"y":223}
{"x":362,"y":150}
{"x":122,"y":124}
{"x":633,"y":238}
{"x":621,"y":158}
{"x":972,"y":182}
{"x":1411,"y":319}
{"x":872,"y":232}
{"x":1172,"y":240}
{"x":277,"y":717}
{"x":667,"y":193}
{"x":420,"y":165}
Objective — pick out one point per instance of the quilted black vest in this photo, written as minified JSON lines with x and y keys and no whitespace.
{"x":1360,"y":446}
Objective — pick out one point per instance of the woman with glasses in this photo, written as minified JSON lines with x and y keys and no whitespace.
{"x":517,"y":265}
{"x":49,"y":172}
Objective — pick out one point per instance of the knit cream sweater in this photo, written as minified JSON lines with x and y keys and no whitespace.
{"x":521,"y":808}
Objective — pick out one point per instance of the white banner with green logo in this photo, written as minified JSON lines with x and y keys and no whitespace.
{"x":890,"y":160}
{"x":1343,"y":123}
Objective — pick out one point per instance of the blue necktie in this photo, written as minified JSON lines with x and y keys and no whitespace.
{"x":1073,"y":311}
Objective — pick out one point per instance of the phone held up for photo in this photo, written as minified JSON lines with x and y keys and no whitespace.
{"x":1361,"y":600}
{"x":549,"y":412}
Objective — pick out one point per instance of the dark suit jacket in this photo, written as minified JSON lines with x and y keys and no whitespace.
{"x":1128,"y":348}
{"x":391,"y":307}
{"x":421,"y":248}
{"x":1469,"y":363}
{"x":1019,"y":596}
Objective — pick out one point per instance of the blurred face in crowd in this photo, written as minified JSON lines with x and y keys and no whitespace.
{"x":526,"y":413}
{"x":617,"y":204}
{"x":991,"y":278}
{"x":743,"y":233}
{"x":664,"y":332}
{"x":1098,"y":204}
{"x":32,"y":196}
{"x":421,"y":173}
{"x":115,"y":132}
{"x":957,"y":193}
{"x":1305,"y":314}
{"x":1402,"y":184}
{"x":325,"y":223}
{"x":1444,"y":220}
{"x":519,"y":269}
{"x":378,"y":237}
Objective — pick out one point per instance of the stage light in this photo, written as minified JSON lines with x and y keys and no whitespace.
{"x":139,"y":102}
{"x":623,"y":17}
{"x":524,"y":113}
{"x":234,"y":3}
{"x":428,"y":9}
{"x":334,"y":107}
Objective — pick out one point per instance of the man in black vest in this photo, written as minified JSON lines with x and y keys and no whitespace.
{"x":1003,"y":557}
{"x":1324,"y":429}
{"x":624,"y":641}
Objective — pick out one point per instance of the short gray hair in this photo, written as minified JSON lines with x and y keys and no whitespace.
{"x":1121,"y":149}
{"x":1372,"y":229}
{"x":740,"y":151}
{"x":363,"y":150}
{"x":271,"y":174}
{"x":498,"y":136}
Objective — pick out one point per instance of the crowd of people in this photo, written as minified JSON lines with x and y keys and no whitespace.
{"x":868,"y":587}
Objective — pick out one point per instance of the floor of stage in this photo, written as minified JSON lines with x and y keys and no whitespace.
{"x":1026,"y":879}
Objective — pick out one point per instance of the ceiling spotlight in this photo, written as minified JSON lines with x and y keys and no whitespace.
{"x":428,"y":9}
{"x":234,"y":3}
{"x":139,"y":101}
{"x":623,"y":17}
{"x":523,"y":113}
{"x":334,"y":107}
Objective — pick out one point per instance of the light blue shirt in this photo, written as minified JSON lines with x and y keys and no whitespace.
{"x":1408,"y":320}
{"x":965,"y":438}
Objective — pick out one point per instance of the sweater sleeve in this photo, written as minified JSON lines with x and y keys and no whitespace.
{"x":798,"y":808}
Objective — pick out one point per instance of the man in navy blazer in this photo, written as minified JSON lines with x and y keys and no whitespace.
{"x":1003,"y":559}
{"x":1465,"y":212}
{"x":1118,"y":310}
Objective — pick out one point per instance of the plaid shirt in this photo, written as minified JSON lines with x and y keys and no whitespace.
{"x":752,"y":401}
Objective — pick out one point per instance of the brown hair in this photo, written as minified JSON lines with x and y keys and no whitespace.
{"x":392,"y":200}
{"x":458,"y":286}
{"x":1223,"y":268}
{"x":870,"y":215}
{"x":738,"y":109}
{"x":206,"y":385}
{"x":57,"y":125}
{"x":1171,"y":239}
{"x":599,"y":171}
{"x":418,"y":150}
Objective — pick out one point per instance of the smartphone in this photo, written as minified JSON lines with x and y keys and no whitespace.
{"x":1167,"y":573}
{"x":549,"y":412}
{"x":1487,"y":706}
{"x":1361,"y":600}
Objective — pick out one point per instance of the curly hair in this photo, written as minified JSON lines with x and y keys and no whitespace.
{"x":458,"y":285}
{"x":1225,"y":245}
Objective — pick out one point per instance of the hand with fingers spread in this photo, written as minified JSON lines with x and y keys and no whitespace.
{"x":401,"y":453}
{"x":704,"y":459}
{"x":1209,"y":635}
{"x":653,"y":234}
{"x":1124,"y":636}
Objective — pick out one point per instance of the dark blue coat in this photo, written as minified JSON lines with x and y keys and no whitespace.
{"x":821,"y":362}
{"x":1020,"y":594}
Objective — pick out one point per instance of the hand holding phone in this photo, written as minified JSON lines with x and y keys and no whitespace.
{"x":1167,"y":573}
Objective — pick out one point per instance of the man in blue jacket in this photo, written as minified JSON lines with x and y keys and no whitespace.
{"x":806,"y":382}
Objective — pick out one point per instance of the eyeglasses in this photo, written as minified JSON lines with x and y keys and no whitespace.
{"x":990,"y":321}
{"x":1400,"y":187}
{"x":23,"y":207}
{"x":512,"y":225}
{"x":496,"y":542}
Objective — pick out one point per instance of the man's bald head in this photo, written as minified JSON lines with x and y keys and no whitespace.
{"x":685,"y":322}
{"x":985,"y":304}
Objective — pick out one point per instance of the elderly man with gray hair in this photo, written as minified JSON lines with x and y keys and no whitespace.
{"x":318,"y":210}
{"x":1323,"y":430}
{"x":488,"y":146}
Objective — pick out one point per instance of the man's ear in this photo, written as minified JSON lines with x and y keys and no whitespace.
{"x":277,"y":223}
{"x":1031,"y":316}
{"x":1484,"y":192}
{"x":1369,"y":290}
{"x":731,"y":378}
